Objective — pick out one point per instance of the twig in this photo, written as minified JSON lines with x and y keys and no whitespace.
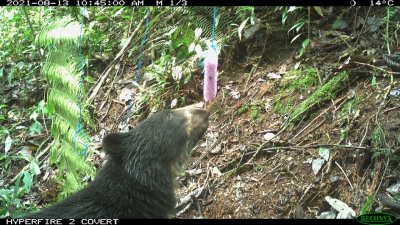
{"x":362,"y":28}
{"x":383,"y":176}
{"x":210,"y":148}
{"x":344,"y":174}
{"x":339,"y":100}
{"x":196,"y":201}
{"x":253,"y":71}
{"x":314,"y":146}
{"x":120,"y":53}
{"x":186,"y":199}
{"x":366,"y":131}
{"x":365,"y":64}
{"x":261,"y":146}
{"x":38,"y":156}
{"x":308,"y":188}
{"x":184,"y":209}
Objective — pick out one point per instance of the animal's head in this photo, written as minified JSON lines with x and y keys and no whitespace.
{"x":164,"y":140}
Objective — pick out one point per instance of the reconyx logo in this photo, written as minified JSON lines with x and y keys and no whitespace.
{"x":376,"y":218}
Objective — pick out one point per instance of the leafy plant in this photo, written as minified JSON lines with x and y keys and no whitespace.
{"x":255,"y":111}
{"x":16,"y":42}
{"x":64,"y":78}
{"x":11,"y":195}
{"x":243,"y":109}
{"x":2,"y":106}
{"x":366,"y":208}
{"x":298,"y":25}
{"x":41,"y":110}
{"x":393,"y":13}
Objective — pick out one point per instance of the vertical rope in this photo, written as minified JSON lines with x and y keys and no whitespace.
{"x":139,"y":67}
{"x":80,"y":99}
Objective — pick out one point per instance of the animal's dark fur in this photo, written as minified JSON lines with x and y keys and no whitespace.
{"x":138,"y":179}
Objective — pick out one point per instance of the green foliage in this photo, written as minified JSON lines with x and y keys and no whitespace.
{"x":17,"y":54}
{"x":182,"y":46}
{"x":301,"y":21}
{"x":349,"y":107}
{"x":366,"y":208}
{"x":393,"y":13}
{"x":242,"y":12}
{"x":304,"y":46}
{"x":243,"y":109}
{"x":10,"y":200}
{"x":2,"y":106}
{"x":255,"y":114}
{"x":64,"y":78}
{"x":378,"y":137}
{"x":303,"y":79}
{"x":41,"y":110}
{"x":344,"y":133}
{"x":255,"y":111}
{"x":11,"y":196}
{"x":281,"y":108}
{"x":326,"y":92}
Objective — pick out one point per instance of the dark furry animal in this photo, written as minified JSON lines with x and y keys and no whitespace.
{"x":138,"y":179}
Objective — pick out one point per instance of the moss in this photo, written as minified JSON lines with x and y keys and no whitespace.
{"x":326,"y":92}
{"x":243,"y":110}
{"x":303,"y":79}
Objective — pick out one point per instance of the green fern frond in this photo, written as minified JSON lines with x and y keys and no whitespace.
{"x":65,"y":31}
{"x":65,"y":106}
{"x":243,"y":12}
{"x":67,"y":132}
{"x":72,"y":165}
{"x":63,"y":74}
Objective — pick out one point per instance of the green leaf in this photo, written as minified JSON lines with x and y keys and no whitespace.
{"x":324,"y":153}
{"x":292,"y":8}
{"x":17,"y":183}
{"x":119,"y":12}
{"x":241,"y":28}
{"x":295,"y":38}
{"x":336,"y":24}
{"x":27,"y":181}
{"x":35,"y":168}
{"x":197,"y":32}
{"x":284,"y":17}
{"x":319,"y":10}
{"x":217,"y":20}
{"x":373,"y":82}
{"x":191,"y":47}
{"x":7,"y":143}
{"x":36,"y":127}
{"x":305,"y":43}
{"x":50,"y":108}
{"x":187,"y":78}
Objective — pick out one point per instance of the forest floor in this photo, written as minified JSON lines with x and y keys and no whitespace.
{"x":240,"y":174}
{"x":237,"y":172}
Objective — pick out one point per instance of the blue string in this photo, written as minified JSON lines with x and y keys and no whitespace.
{"x":79,"y":126}
{"x":213,"y":44}
{"x":139,"y":67}
{"x":141,"y":47}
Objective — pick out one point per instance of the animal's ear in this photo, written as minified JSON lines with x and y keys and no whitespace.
{"x":112,"y":143}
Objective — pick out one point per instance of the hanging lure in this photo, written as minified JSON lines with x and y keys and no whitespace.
{"x":210,"y":75}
